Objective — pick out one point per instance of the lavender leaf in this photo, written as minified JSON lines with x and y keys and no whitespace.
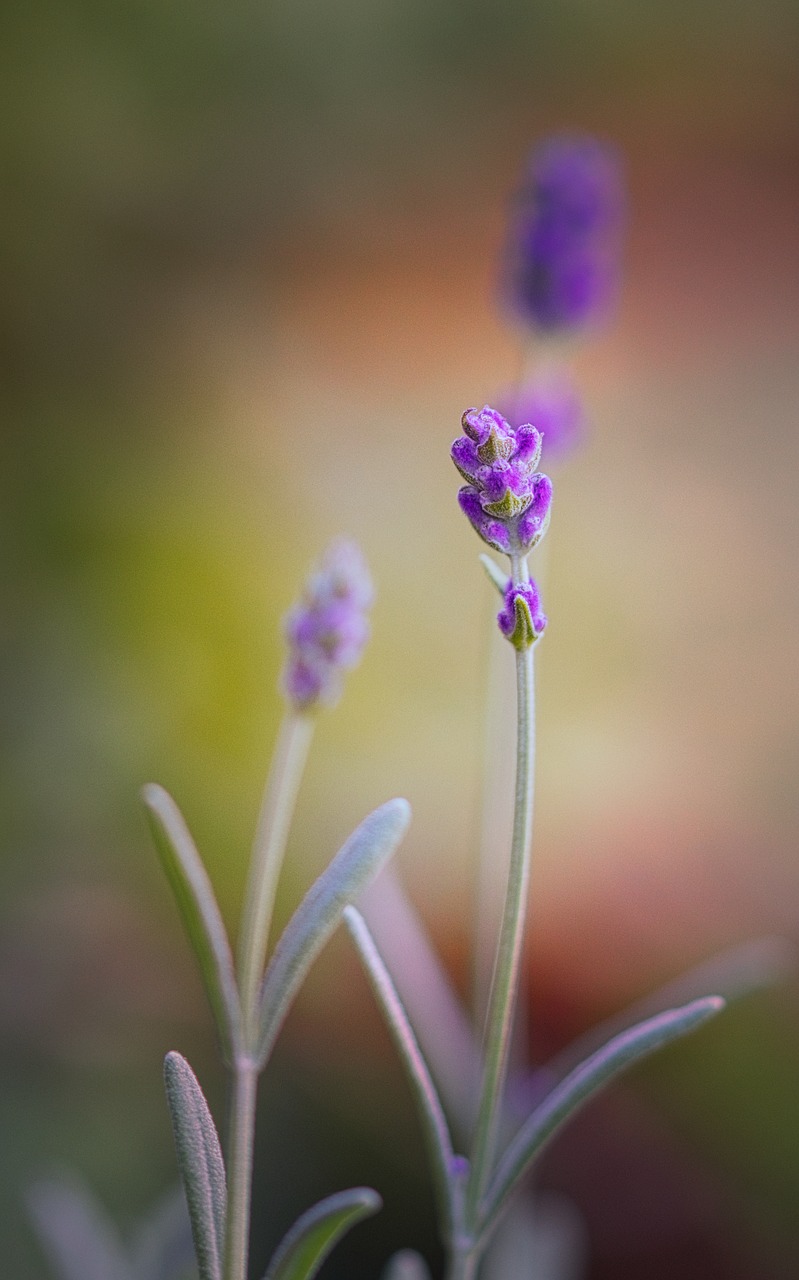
{"x":436,"y":1133}
{"x":310,"y":1240}
{"x":79,"y":1240}
{"x":199,"y":911}
{"x":356,"y":863}
{"x":202,"y":1169}
{"x":580,"y":1086}
{"x":495,"y":575}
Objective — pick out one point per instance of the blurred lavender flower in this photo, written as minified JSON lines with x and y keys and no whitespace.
{"x":328,"y":628}
{"x":562,"y":269}
{"x":522,"y":619}
{"x":553,"y":403}
{"x":506,"y":499}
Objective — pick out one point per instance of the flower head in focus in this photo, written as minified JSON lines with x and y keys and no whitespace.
{"x":328,"y":628}
{"x":522,"y":620}
{"x":563,"y":252}
{"x":506,"y":499}
{"x":553,"y":402}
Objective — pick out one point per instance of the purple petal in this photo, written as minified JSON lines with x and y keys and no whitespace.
{"x":464,"y":455}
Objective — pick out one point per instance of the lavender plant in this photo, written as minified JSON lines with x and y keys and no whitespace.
{"x":487,"y":1129}
{"x":326,"y":633}
{"x":508,"y":503}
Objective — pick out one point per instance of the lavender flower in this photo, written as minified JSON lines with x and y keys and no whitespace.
{"x":563,"y":268}
{"x":522,"y":619}
{"x":328,"y":628}
{"x":506,"y":499}
{"x":553,"y":402}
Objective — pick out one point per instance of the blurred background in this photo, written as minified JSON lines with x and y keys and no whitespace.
{"x":249,"y":256}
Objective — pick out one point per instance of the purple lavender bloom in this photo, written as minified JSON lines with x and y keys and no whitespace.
{"x":328,"y":628}
{"x":563,"y":256}
{"x":553,"y":402}
{"x":522,"y":619}
{"x":506,"y":499}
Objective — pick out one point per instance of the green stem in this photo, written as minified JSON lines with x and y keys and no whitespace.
{"x":239,"y":1169}
{"x":277,"y":808}
{"x":463,"y":1265}
{"x":511,"y":938}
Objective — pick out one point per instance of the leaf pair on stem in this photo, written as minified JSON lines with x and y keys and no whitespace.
{"x":247,"y":1043}
{"x":583,"y":1083}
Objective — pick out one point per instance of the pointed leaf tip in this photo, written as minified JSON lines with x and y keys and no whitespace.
{"x":303,"y":1250}
{"x":581,"y":1085}
{"x":494,"y":574}
{"x":199,"y":911}
{"x":357,"y":862}
{"x":202,"y":1168}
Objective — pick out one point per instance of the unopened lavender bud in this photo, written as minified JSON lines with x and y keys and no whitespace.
{"x":522,"y":620}
{"x":328,"y":628}
{"x":564,"y":246}
{"x":553,"y":402}
{"x":506,"y":499}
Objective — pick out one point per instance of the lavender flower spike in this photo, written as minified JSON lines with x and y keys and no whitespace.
{"x":563,"y":255}
{"x":328,"y":628}
{"x":506,"y":499}
{"x":522,"y":620}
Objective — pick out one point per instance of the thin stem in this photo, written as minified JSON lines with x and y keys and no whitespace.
{"x":239,"y":1169}
{"x":463,"y":1265}
{"x":282,"y":785}
{"x":511,"y":938}
{"x":495,"y":821}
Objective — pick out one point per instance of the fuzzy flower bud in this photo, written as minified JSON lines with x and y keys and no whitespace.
{"x":328,"y":628}
{"x":563,"y":255}
{"x":553,"y":402}
{"x":506,"y":499}
{"x":522,"y":620}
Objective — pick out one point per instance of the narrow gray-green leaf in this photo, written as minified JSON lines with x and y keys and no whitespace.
{"x":355,"y":864}
{"x":310,"y":1240}
{"x":580,"y":1086}
{"x":200,"y":1162}
{"x":494,"y":574}
{"x":437,"y":1138}
{"x":733,"y":973}
{"x":434,"y":1008}
{"x":78,"y":1238}
{"x":199,"y":911}
{"x":406,"y":1265}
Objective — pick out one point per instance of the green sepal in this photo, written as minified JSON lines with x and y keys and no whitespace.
{"x":524,"y":633}
{"x":495,"y":446}
{"x":507,"y":507}
{"x":303,"y":1250}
